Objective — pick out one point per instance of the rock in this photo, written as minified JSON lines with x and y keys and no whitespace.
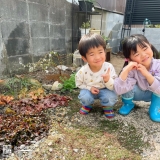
{"x":34,"y":82}
{"x":22,"y":146}
{"x":62,"y":67}
{"x":50,"y":149}
{"x":50,"y":143}
{"x":75,"y":150}
{"x":56,"y":86}
{"x":47,"y":86}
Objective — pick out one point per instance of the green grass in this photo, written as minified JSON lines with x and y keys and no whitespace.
{"x":109,"y":140}
{"x":74,"y":104}
{"x":90,"y":143}
{"x":127,"y":136}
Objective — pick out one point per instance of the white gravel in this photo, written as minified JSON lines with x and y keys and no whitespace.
{"x":150,"y":130}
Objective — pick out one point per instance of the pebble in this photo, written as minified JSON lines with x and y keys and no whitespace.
{"x":50,"y":143}
{"x":50,"y":149}
{"x":75,"y":150}
{"x":138,"y":117}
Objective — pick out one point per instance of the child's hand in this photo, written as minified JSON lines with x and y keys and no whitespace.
{"x":131,"y":66}
{"x":106,"y":76}
{"x":146,"y":74}
{"x":94,"y":90}
{"x":143,"y":70}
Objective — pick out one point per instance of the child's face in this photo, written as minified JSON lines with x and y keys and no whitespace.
{"x":95,"y":57}
{"x":142,"y":56}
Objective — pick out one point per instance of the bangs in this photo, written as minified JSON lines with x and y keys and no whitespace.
{"x":131,"y":45}
{"x":91,"y":42}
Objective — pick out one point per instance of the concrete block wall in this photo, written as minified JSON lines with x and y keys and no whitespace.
{"x":31,"y":28}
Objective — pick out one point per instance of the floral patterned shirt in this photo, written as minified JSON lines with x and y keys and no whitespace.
{"x":85,"y":78}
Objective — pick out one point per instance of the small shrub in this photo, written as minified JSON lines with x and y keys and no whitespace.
{"x":68,"y":84}
{"x":86,"y":24}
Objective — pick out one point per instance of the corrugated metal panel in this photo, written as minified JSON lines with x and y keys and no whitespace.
{"x":112,"y":5}
{"x":142,"y":9}
{"x":120,"y":5}
{"x":106,"y":4}
{"x":129,"y":12}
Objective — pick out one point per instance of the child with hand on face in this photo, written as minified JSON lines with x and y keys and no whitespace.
{"x":140,"y":77}
{"x":96,"y":78}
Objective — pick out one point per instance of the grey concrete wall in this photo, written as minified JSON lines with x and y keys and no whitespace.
{"x":152,"y":34}
{"x":111,"y":27}
{"x":31,"y":28}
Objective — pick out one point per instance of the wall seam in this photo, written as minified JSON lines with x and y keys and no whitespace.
{"x":30,"y":38}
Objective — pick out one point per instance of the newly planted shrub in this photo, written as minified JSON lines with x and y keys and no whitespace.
{"x":68,"y":84}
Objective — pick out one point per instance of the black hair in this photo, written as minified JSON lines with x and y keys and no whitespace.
{"x":130,"y":44}
{"x":90,"y":40}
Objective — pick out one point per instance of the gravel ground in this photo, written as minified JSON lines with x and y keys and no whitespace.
{"x":138,"y":117}
{"x":150,"y":130}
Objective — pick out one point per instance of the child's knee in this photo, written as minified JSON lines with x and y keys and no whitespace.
{"x":109,"y":100}
{"x":86,"y":102}
{"x":85,"y":97}
{"x":113,"y":100}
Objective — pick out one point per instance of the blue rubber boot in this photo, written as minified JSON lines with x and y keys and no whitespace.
{"x":128,"y":105}
{"x":154,"y":110}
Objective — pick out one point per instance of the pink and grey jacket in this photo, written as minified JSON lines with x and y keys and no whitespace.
{"x":135,"y":77}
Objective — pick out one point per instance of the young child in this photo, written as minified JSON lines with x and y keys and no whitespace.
{"x":140,"y":78}
{"x":96,"y":78}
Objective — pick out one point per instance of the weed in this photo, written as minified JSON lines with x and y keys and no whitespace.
{"x":68,"y":84}
{"x":84,"y":143}
{"x":14,"y":86}
{"x":127,"y":135}
{"x":51,"y":59}
{"x":110,"y":126}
